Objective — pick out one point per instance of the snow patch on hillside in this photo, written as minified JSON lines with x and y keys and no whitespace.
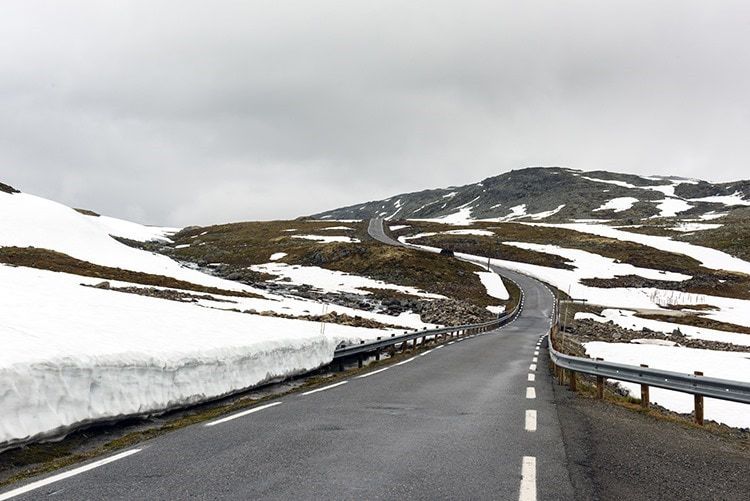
{"x":494,"y":285}
{"x":619,"y":204}
{"x":327,"y":239}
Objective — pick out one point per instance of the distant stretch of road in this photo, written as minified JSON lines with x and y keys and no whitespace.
{"x":472,"y":419}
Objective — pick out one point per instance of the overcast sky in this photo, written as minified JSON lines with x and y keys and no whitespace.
{"x":185,"y":112}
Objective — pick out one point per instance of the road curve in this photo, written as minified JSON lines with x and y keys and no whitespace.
{"x":474,"y":419}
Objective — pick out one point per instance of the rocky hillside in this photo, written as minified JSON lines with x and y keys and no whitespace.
{"x":558,"y":194}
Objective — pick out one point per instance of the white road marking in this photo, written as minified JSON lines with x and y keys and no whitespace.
{"x":324,"y":388}
{"x":530,"y":420}
{"x":428,"y":351}
{"x":241,"y":414}
{"x":532,"y":377}
{"x":441,"y":346}
{"x":536,"y":352}
{"x":405,"y":361}
{"x":530,"y":392}
{"x":62,"y":476}
{"x":528,"y":479}
{"x":373,"y":372}
{"x":532,"y":367}
{"x":450,"y":343}
{"x":534,"y":359}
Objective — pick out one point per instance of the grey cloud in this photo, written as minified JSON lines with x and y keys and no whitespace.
{"x":195,"y":112}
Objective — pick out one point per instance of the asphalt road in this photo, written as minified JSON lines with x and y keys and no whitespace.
{"x":474,"y":419}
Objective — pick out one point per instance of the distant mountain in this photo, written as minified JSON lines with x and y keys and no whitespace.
{"x":557,"y":194}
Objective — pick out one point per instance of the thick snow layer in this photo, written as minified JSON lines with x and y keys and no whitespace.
{"x":494,"y":285}
{"x":123,"y":354}
{"x":710,"y":258}
{"x":719,"y":364}
{"x":729,"y":200}
{"x":496,"y":309}
{"x":29,"y":221}
{"x":332,"y":281}
{"x":328,"y":238}
{"x":670,"y":207}
{"x":619,"y":204}
{"x":277,"y":255}
{"x":628,"y":320}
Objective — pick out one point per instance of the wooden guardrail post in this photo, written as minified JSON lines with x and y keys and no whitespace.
{"x":572,"y":382}
{"x":644,"y":393}
{"x":698,"y":404}
{"x":600,"y":385}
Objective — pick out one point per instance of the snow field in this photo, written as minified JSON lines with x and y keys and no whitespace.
{"x":719,"y":364}
{"x":327,"y":239}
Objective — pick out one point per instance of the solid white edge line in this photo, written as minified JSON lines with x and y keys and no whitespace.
{"x":62,"y":476}
{"x":530,"y":423}
{"x":450,"y":343}
{"x":530,"y":392}
{"x":373,"y":372}
{"x":324,"y":388}
{"x":528,"y":479}
{"x":441,"y":346}
{"x":405,"y":361}
{"x":532,"y":377}
{"x":241,"y":414}
{"x":425,"y":353}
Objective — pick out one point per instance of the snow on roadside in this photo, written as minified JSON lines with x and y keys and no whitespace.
{"x":710,"y":258}
{"x":333,"y":281}
{"x":494,"y":285}
{"x":397,"y":227}
{"x":122,"y":354}
{"x":277,"y":255}
{"x":328,"y":238}
{"x":628,"y":320}
{"x":719,"y":364}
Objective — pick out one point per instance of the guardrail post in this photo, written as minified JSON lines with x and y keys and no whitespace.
{"x":573,"y":385}
{"x":359,"y":361}
{"x":377,"y":356}
{"x":600,"y":385}
{"x":698,"y":404}
{"x":644,"y":393}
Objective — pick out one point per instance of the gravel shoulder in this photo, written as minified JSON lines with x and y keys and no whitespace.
{"x":615,"y":453}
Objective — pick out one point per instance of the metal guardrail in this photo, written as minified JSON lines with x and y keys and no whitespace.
{"x":724,"y":389}
{"x":364,"y":348}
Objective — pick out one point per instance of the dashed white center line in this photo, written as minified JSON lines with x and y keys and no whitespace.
{"x":62,"y":476}
{"x":535,"y":359}
{"x":373,"y":372}
{"x":536,"y":352}
{"x":528,"y":479}
{"x":532,"y":367}
{"x":241,"y":414}
{"x":325,"y":388}
{"x":530,"y":392}
{"x":532,"y":377}
{"x":530,"y":420}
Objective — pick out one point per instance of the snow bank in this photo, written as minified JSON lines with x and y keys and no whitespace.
{"x":688,"y":227}
{"x":494,"y":285}
{"x":277,"y":255}
{"x":122,"y":354}
{"x":719,"y":364}
{"x":729,"y":200}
